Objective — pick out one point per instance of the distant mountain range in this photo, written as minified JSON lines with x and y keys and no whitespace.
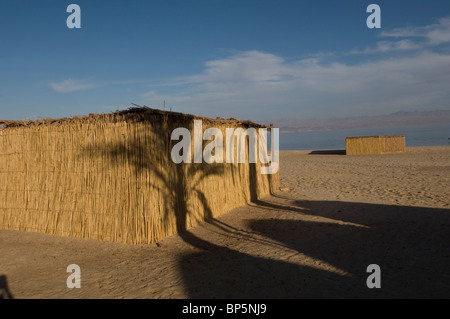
{"x":402,"y":118}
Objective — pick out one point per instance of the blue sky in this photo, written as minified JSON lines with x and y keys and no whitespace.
{"x":257,"y":60}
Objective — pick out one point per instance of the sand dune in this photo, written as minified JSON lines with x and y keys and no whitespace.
{"x":336,"y":215}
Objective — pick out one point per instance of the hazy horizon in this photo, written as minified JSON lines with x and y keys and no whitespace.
{"x":396,"y":119}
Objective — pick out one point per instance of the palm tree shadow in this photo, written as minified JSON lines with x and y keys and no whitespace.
{"x":148,"y":153}
{"x":147,"y":150}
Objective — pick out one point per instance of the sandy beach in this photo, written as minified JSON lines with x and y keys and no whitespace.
{"x":333,"y":216}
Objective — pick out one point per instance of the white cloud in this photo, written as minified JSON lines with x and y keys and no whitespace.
{"x":415,"y":78}
{"x":250,"y":66}
{"x":71,"y":85}
{"x":389,"y":46}
{"x":441,"y":33}
{"x":414,"y":38}
{"x":433,"y":34}
{"x":274,"y":86}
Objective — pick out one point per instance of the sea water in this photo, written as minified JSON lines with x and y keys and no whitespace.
{"x":335,"y":139}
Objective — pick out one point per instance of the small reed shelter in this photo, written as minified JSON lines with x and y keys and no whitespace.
{"x":372,"y":145}
{"x":110,"y":177}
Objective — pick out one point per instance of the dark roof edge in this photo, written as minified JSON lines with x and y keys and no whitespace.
{"x":133,"y":113}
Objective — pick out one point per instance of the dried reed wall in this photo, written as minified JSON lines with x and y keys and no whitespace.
{"x":113,"y":179}
{"x":367,"y":145}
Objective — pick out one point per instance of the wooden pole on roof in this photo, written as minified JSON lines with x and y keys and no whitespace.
{"x":271,"y":138}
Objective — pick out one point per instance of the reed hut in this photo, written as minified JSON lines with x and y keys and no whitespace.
{"x":372,"y":145}
{"x":110,"y":177}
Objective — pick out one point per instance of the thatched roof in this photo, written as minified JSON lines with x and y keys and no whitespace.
{"x":133,"y":114}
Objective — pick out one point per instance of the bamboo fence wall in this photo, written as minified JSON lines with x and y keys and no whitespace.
{"x":111,"y":178}
{"x":367,"y":145}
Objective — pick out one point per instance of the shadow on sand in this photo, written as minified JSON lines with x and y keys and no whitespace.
{"x":410,"y":244}
{"x":4,"y":290}
{"x":328,"y":152}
